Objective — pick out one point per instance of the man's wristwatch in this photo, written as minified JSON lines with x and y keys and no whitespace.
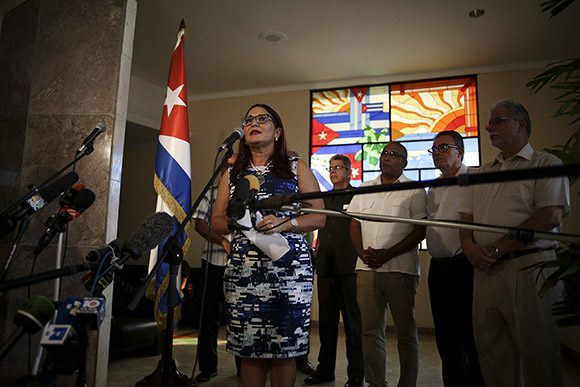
{"x":294,"y":224}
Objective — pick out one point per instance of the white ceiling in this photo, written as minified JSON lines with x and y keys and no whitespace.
{"x":342,"y":42}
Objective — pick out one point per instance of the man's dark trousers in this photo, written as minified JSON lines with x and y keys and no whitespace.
{"x":337,"y":294}
{"x":451,"y":292}
{"x":210,"y":322}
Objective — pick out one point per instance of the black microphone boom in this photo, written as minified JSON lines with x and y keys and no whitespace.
{"x":238,"y":134}
{"x":87,"y":145}
{"x":37,"y":201}
{"x":277,"y":201}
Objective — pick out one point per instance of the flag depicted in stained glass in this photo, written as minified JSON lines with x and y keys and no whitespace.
{"x":359,"y":121}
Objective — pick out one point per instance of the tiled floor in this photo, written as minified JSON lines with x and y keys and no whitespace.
{"x":126,"y":372}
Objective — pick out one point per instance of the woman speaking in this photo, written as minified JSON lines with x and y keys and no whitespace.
{"x":268,"y":297}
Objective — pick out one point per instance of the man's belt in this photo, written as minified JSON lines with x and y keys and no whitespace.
{"x":519,"y":253}
{"x":449,"y":260}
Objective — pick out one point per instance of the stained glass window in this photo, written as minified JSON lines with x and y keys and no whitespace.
{"x":359,"y":121}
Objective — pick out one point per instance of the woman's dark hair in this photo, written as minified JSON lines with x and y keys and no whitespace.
{"x":280,"y":166}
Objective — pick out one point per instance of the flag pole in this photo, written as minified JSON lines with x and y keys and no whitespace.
{"x":173,"y":185}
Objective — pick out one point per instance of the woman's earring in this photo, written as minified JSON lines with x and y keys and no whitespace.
{"x":275,"y":138}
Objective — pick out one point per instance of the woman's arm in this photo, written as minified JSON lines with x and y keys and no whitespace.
{"x":304,"y":223}
{"x":218,"y":217}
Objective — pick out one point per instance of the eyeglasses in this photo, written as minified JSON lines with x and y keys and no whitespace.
{"x":498,"y":120}
{"x":260,"y":119}
{"x":336,"y":168}
{"x":393,"y":154}
{"x":441,"y":148}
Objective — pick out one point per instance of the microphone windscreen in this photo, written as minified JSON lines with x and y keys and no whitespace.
{"x":254,"y":183}
{"x":34,"y":314}
{"x":150,"y":233}
{"x":82,"y":200}
{"x":54,"y":190}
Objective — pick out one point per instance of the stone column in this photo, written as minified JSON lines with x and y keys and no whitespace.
{"x":64,"y":67}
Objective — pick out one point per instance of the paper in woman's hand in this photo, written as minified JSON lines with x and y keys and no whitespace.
{"x":273,"y":245}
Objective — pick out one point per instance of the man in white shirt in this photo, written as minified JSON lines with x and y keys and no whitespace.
{"x":450,"y":273}
{"x":515,"y":333}
{"x":388,"y":268}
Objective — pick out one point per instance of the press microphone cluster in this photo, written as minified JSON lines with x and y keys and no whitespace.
{"x":244,"y":196}
{"x":73,"y":202}
{"x":238,"y":134}
{"x":152,"y":232}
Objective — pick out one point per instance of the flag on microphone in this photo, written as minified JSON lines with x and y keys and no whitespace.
{"x":172,"y":179}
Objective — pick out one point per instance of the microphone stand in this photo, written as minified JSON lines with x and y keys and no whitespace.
{"x":58,"y":265}
{"x":173,"y":254}
{"x":463,"y":180}
{"x":44,"y":276}
{"x":515,"y":232}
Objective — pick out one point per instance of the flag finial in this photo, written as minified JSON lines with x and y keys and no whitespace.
{"x":182,"y":24}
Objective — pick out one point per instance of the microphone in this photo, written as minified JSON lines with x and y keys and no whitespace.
{"x":154,"y":229}
{"x":87,"y":145}
{"x":238,"y":134}
{"x":33,"y":315}
{"x":245,"y":192}
{"x":73,"y":202}
{"x":149,"y":234}
{"x":37,"y":200}
{"x":274,"y":202}
{"x":66,"y":339}
{"x":64,"y":322}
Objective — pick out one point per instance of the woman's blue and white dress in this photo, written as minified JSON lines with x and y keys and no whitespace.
{"x":268,"y":302}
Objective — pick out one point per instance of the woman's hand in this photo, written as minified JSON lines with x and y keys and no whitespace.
{"x":271,"y":224}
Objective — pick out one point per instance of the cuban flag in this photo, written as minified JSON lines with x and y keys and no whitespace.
{"x":172,"y":179}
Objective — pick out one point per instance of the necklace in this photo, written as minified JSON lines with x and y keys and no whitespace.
{"x":260,"y":170}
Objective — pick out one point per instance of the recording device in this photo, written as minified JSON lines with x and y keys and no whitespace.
{"x":37,"y":200}
{"x":74,"y":310}
{"x":66,"y":339}
{"x":87,"y":145}
{"x":244,"y":194}
{"x":73,"y":202}
{"x":238,"y":134}
{"x":36,"y":312}
{"x":148,"y":235}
